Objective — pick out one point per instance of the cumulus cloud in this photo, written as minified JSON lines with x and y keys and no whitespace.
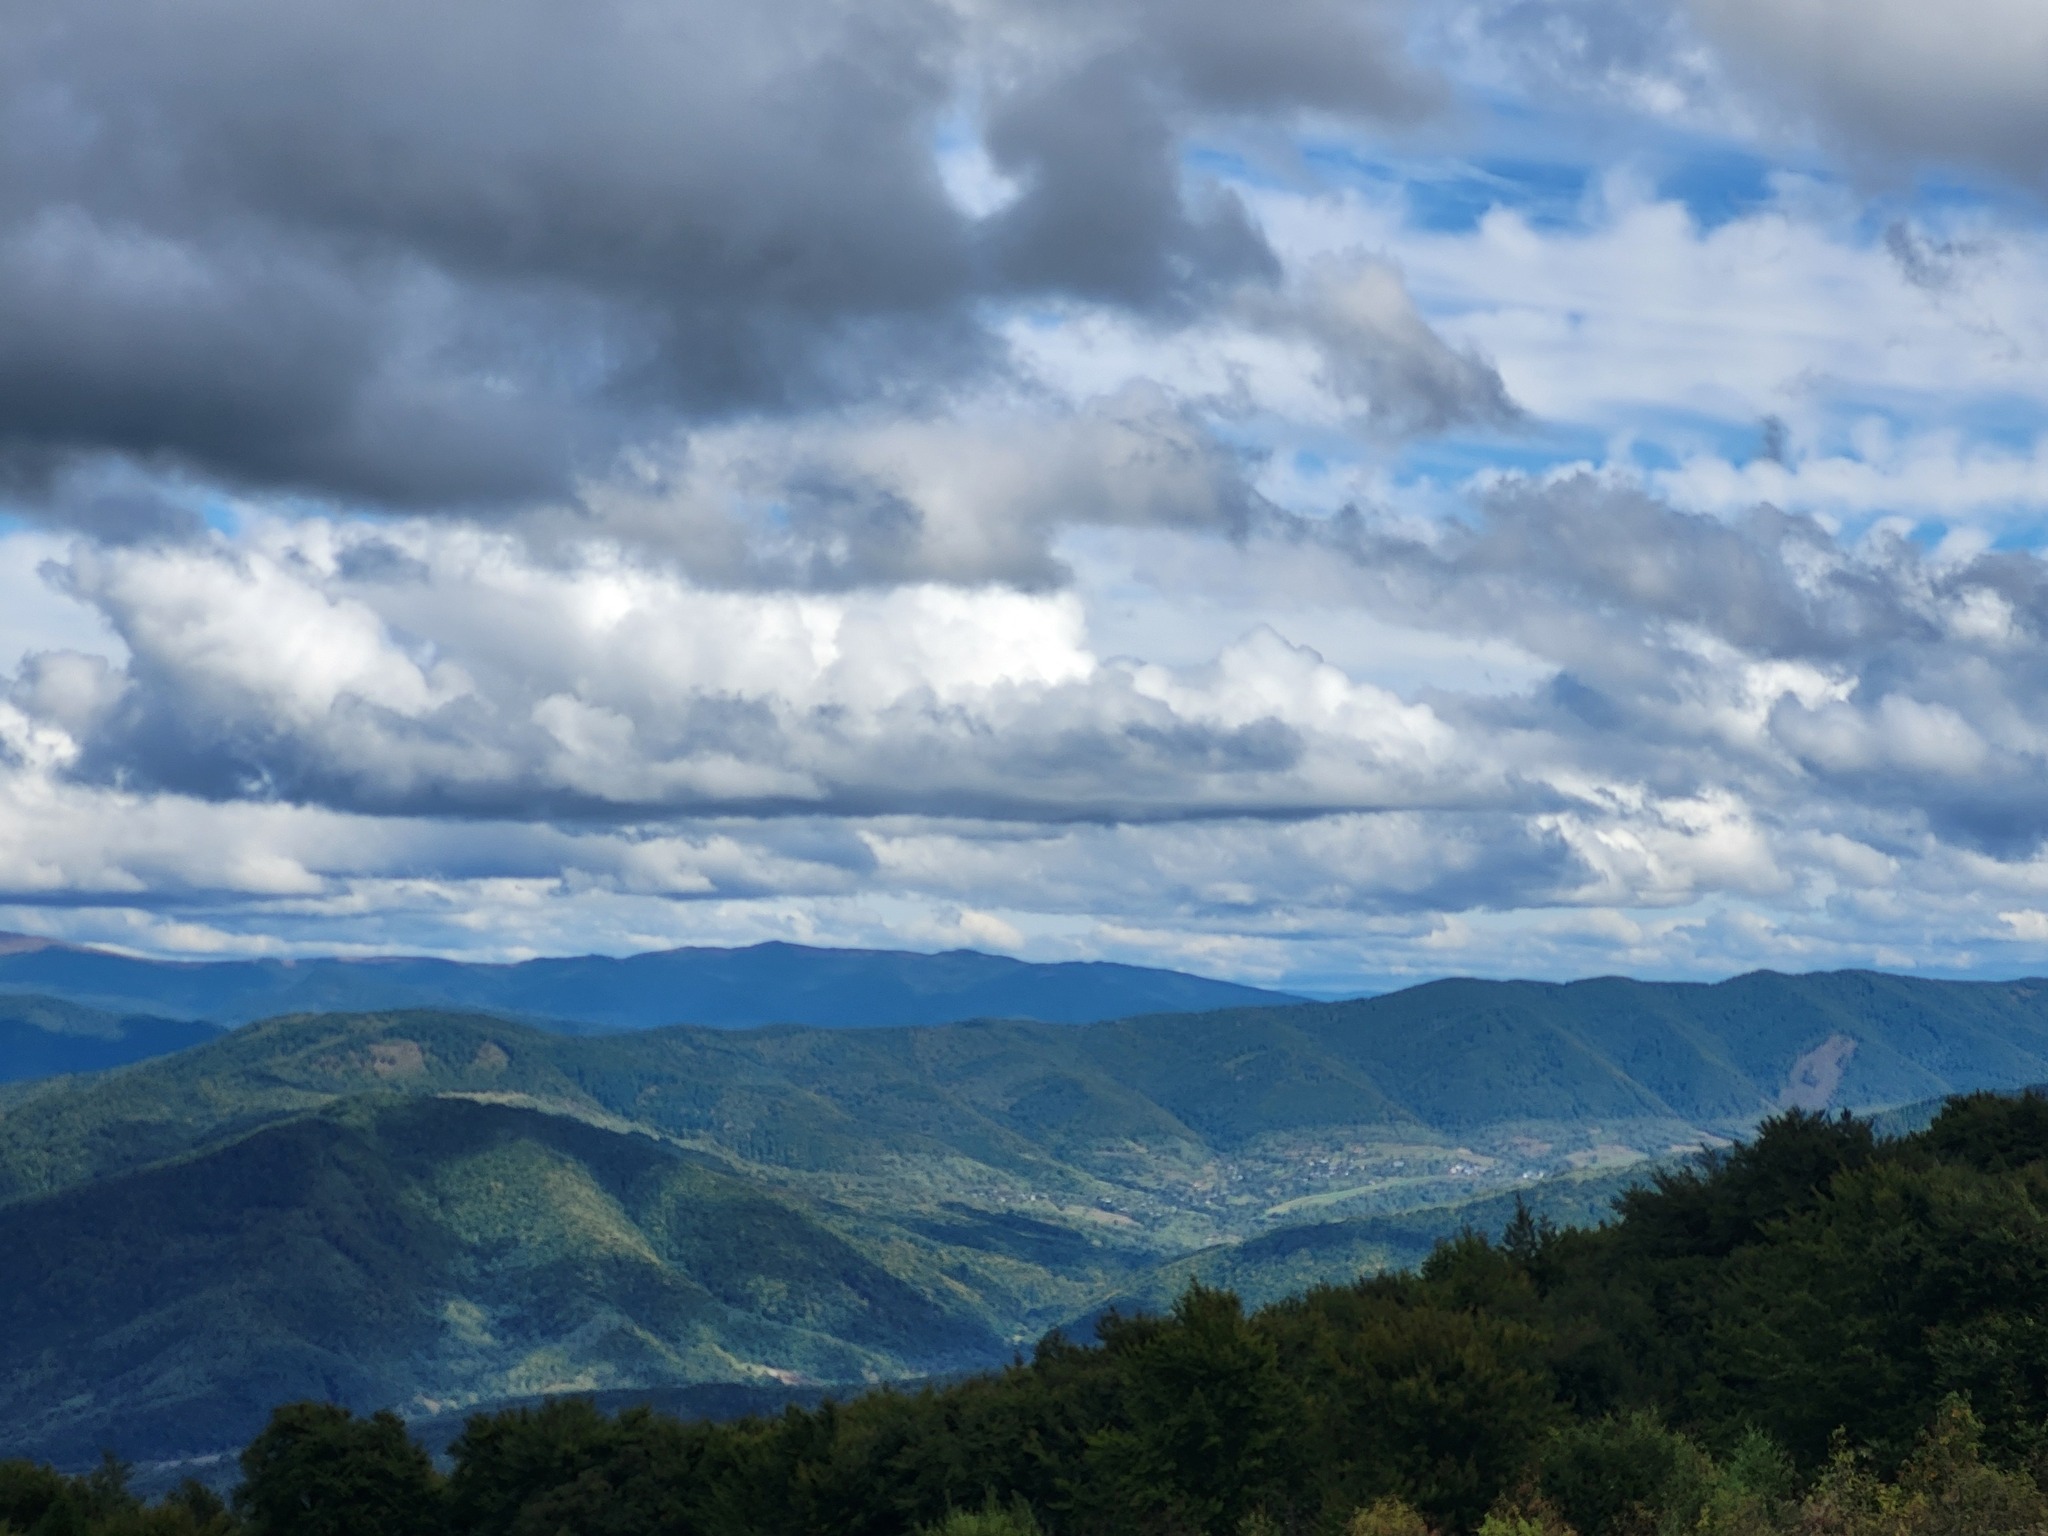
{"x":967,"y":497}
{"x":1959,"y":83}
{"x":446,"y":254}
{"x":499,"y":685}
{"x":1731,"y":706}
{"x":1017,"y":472}
{"x":1823,"y":679}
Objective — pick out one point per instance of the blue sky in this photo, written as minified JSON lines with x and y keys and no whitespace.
{"x":1329,"y":496}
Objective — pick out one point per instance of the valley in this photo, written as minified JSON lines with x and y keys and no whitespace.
{"x":438,"y":1209}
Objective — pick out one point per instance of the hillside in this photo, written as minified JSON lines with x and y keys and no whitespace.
{"x":431,"y":1253}
{"x":50,"y":1037}
{"x":727,"y":988}
{"x":1823,"y":1333}
{"x":1002,"y":1177}
{"x":1288,"y":1260}
{"x":1205,"y":1120}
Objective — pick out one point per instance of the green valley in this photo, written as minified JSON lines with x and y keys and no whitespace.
{"x":432,"y":1209}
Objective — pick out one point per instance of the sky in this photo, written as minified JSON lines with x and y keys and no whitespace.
{"x":1327,"y":493}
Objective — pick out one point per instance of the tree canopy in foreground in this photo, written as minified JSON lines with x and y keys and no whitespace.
{"x":1816,"y":1332}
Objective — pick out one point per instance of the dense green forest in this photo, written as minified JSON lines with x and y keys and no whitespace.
{"x":1818,"y":1331}
{"x":448,"y":1211}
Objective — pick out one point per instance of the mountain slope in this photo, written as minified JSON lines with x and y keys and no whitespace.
{"x":762,"y":984}
{"x":429,"y":1252}
{"x":1288,"y":1260}
{"x":49,"y":1037}
{"x":1152,"y":1111}
{"x":431,"y":1206}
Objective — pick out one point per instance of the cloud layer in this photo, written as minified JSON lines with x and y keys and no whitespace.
{"x":423,"y":255}
{"x":1957,"y":84}
{"x":1278,"y":493}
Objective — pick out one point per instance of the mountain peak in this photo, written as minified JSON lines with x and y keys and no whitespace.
{"x":29,"y":943}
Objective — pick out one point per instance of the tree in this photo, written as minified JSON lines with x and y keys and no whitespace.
{"x":1202,"y":1433}
{"x":318,"y":1470}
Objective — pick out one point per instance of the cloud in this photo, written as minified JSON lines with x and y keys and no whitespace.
{"x":1639,"y":319}
{"x":1641,"y":56}
{"x":429,"y":255}
{"x":982,"y":490}
{"x":501,"y":685}
{"x":969,"y":497}
{"x":1378,"y":353}
{"x":1089,"y":479}
{"x":1884,"y":82}
{"x":1894,"y":78}
{"x":1705,"y":692}
{"x":1823,"y":679}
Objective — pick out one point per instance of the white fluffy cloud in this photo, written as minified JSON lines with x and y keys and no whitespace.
{"x":1794,"y":307}
{"x":1755,"y":711}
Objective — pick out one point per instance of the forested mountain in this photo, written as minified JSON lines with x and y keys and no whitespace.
{"x":412,"y":1250}
{"x":433,"y":1209}
{"x":1819,"y":1334}
{"x":761,"y":984}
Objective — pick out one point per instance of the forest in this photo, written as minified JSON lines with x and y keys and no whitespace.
{"x":1818,"y":1331}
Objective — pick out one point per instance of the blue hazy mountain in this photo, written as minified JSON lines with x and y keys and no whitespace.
{"x":725,"y":988}
{"x":49,"y":1037}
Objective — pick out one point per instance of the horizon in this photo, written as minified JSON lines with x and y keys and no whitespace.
{"x":1389,"y":987}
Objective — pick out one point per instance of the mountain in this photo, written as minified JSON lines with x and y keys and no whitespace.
{"x":476,"y":1250}
{"x":1285,"y":1261}
{"x":433,"y":1208}
{"x":48,"y":1037}
{"x":727,"y":988}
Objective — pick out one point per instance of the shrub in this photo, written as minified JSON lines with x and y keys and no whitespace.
{"x":1387,"y":1517}
{"x":992,"y":1519}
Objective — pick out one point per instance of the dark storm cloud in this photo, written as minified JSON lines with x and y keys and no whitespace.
{"x":246,"y":357}
{"x":1906,"y":83}
{"x":1102,"y":216}
{"x":1327,"y":55}
{"x":448,"y":252}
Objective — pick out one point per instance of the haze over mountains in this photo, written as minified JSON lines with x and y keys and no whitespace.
{"x":432,"y":1209}
{"x":762,"y":984}
{"x":47,"y":1036}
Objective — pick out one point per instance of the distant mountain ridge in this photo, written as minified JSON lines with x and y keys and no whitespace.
{"x":772,"y":983}
{"x":50,"y":1037}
